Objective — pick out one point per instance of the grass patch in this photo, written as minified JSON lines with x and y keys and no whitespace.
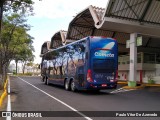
{"x":25,"y":74}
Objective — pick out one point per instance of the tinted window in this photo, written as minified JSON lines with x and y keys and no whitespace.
{"x":103,"y":65}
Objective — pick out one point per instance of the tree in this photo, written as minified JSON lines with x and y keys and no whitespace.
{"x":15,"y":5}
{"x":10,"y":36}
{"x":15,"y":42}
{"x":27,"y":56}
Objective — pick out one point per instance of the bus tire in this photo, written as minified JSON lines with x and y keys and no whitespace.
{"x":46,"y":81}
{"x":67,"y":85}
{"x":43,"y":78}
{"x":73,"y":86}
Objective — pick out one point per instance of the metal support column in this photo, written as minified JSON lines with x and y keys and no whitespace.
{"x":133,"y":57}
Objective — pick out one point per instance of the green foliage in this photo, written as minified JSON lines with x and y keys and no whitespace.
{"x":15,"y":40}
{"x":30,"y":64}
{"x":16,"y":43}
{"x":18,"y":6}
{"x":151,"y":81}
{"x":14,"y":72}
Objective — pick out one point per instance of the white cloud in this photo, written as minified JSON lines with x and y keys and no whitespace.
{"x":64,"y":8}
{"x":54,"y":15}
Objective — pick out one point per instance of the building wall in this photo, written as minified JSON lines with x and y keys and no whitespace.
{"x":148,"y":69}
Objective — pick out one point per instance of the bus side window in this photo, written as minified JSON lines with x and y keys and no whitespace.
{"x":86,"y":55}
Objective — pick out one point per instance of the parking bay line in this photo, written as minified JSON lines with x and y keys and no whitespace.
{"x":73,"y":109}
{"x":121,"y":90}
{"x":9,"y":100}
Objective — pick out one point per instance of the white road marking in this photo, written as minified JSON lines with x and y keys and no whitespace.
{"x":73,"y":109}
{"x":121,"y":90}
{"x":9,"y":101}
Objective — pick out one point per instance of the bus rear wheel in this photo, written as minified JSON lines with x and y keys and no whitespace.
{"x":73,"y":86}
{"x":46,"y":81}
{"x":42,"y":78}
{"x":67,"y":85}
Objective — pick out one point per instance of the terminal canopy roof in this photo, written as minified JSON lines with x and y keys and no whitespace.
{"x":45,"y":48}
{"x":118,"y":20}
{"x":140,"y":16}
{"x":59,"y":39}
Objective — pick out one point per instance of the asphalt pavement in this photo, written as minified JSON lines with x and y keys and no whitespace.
{"x":30,"y":94}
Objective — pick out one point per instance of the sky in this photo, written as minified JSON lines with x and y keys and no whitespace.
{"x":54,"y":15}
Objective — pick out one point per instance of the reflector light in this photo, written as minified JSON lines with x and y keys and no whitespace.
{"x":111,"y":80}
{"x":89,"y":75}
{"x":104,"y":85}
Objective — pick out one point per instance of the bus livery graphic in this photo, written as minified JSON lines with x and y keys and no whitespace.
{"x":87,"y":64}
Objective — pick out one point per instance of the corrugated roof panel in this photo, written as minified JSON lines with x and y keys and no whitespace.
{"x":105,"y":33}
{"x":157,"y":11}
{"x":154,"y":12}
{"x":45,"y":47}
{"x":80,"y":32}
{"x":84,"y":23}
{"x":135,"y":10}
{"x":127,"y":12}
{"x":58,"y":39}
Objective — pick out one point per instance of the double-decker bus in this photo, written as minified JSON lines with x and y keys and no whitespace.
{"x":87,"y":64}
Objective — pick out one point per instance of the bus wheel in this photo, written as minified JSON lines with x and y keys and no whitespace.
{"x":48,"y":82}
{"x":67,"y":85}
{"x":73,"y":86}
{"x":43,"y":78}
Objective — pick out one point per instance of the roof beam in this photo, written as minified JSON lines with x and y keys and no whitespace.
{"x":148,"y":41}
{"x":87,"y":21}
{"x":126,"y":7}
{"x":84,"y":26}
{"x":80,"y":33}
{"x":93,"y":31}
{"x":131,"y":8}
{"x":145,"y":11}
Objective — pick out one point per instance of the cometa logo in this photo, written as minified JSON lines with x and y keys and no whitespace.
{"x":99,"y":54}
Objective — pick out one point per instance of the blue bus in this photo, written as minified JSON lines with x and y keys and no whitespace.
{"x":87,"y":64}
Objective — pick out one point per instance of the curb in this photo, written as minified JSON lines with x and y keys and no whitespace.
{"x":138,"y":87}
{"x":152,"y":85}
{"x":142,"y":86}
{"x":135,"y":88}
{"x":122,"y":82}
{"x":4,"y":94}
